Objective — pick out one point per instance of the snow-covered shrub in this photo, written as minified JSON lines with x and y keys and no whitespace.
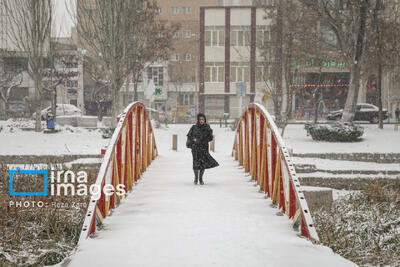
{"x":364,"y":227}
{"x":336,"y":132}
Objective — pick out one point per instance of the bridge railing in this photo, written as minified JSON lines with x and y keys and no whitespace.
{"x":260,"y":149}
{"x":131,"y":149}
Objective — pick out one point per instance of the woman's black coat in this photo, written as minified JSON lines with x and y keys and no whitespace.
{"x":201,"y":157}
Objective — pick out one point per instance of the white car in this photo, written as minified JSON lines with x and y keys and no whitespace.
{"x":61,"y":110}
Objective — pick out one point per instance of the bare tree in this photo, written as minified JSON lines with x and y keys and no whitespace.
{"x":29,"y":31}
{"x":9,"y":79}
{"x":113,"y":31}
{"x":383,"y":53}
{"x":58,"y":73}
{"x":101,"y":92}
{"x":352,"y":22}
{"x":291,"y":40}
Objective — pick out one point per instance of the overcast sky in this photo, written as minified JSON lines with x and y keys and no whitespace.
{"x":62,"y":18}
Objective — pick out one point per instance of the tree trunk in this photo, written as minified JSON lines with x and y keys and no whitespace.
{"x":7,"y":109}
{"x":114,"y":109}
{"x":352,"y":97}
{"x":379,"y":85}
{"x":126,"y":98}
{"x":278,"y":64}
{"x":316,"y":105}
{"x":135,"y":96}
{"x":38,"y":102}
{"x":99,"y":111}
{"x":54,"y":103}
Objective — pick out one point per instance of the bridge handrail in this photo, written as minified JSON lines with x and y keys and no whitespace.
{"x":120,"y":164}
{"x":273,"y":171}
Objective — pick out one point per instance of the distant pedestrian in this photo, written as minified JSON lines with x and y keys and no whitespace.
{"x":397,"y":113}
{"x":198,"y":137}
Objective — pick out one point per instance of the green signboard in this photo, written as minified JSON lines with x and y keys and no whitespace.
{"x":157,"y":91}
{"x":311,"y":62}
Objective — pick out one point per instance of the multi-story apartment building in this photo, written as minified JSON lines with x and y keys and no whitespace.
{"x":230,"y":57}
{"x":183,"y":62}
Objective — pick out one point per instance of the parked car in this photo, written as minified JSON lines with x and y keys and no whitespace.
{"x":364,"y":112}
{"x":61,"y":110}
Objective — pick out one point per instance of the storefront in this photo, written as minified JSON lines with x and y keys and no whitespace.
{"x":329,"y":87}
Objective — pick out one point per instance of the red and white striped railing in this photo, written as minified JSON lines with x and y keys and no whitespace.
{"x":131,"y":149}
{"x":260,"y":149}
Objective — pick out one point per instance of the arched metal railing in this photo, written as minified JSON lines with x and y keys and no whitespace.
{"x":131,"y":149}
{"x":260,"y":149}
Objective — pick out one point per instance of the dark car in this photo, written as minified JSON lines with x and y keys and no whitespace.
{"x":364,"y":112}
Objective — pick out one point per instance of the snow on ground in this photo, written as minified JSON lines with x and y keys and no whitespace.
{"x":318,"y":174}
{"x":70,"y":140}
{"x":326,"y":164}
{"x":168,"y":221}
{"x":336,"y":194}
{"x":373,"y":140}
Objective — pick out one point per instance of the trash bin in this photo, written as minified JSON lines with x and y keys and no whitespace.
{"x":50,"y":121}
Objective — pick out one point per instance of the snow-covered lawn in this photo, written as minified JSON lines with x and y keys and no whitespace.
{"x":374,"y":140}
{"x":70,"y":140}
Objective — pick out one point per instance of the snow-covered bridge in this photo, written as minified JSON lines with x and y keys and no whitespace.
{"x":165,"y":220}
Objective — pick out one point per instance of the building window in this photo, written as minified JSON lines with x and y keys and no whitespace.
{"x":175,"y":57}
{"x":156,"y":74}
{"x":215,"y":38}
{"x":263,"y":37}
{"x":175,"y":34}
{"x":329,"y":39}
{"x":240,"y":37}
{"x":187,"y":57}
{"x":90,"y":35}
{"x":174,"y":10}
{"x":186,"y":99}
{"x":263,"y":72}
{"x":74,"y":102}
{"x":186,"y":10}
{"x":187,"y":34}
{"x":240,"y":73}
{"x":71,"y":83}
{"x":158,"y":10}
{"x":214,"y":72}
{"x":91,"y":11}
{"x":264,"y":2}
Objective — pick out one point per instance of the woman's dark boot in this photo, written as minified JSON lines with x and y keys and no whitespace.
{"x":196,"y":176}
{"x":201,"y":176}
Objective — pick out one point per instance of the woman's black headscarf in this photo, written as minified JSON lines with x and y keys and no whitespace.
{"x":201,"y":115}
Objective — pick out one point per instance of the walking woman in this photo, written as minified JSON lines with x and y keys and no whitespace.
{"x":198,"y":137}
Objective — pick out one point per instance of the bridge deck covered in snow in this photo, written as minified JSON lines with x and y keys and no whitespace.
{"x":166,"y":220}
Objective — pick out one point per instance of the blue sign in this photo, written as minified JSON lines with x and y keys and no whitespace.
{"x":241,"y":89}
{"x":18,"y":170}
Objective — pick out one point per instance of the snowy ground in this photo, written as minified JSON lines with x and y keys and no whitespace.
{"x":168,"y":221}
{"x":326,"y":164}
{"x":70,"y":140}
{"x":373,"y":140}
